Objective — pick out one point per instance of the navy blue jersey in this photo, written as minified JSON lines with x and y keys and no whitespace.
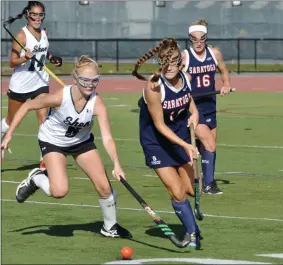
{"x":175,"y":103}
{"x":202,"y":72}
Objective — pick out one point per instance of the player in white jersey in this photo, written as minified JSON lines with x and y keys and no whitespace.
{"x":67,"y":131}
{"x":29,"y":80}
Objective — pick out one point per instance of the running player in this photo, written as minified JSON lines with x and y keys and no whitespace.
{"x":67,"y":131}
{"x":29,"y":80}
{"x":165,"y":113}
{"x":201,"y":62}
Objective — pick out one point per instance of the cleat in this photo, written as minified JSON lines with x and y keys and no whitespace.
{"x":193,"y":239}
{"x":212,"y":189}
{"x":27,"y":187}
{"x":116,"y":231}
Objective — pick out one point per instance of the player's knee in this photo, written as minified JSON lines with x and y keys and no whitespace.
{"x":179,"y":194}
{"x":104,"y":190}
{"x":210,"y":146}
{"x":59,"y":191}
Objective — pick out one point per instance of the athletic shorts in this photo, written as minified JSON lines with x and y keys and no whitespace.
{"x":23,"y":97}
{"x":171,"y":156}
{"x":208,"y":119}
{"x":73,"y":150}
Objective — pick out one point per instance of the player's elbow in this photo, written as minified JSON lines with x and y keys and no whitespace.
{"x":12,"y":63}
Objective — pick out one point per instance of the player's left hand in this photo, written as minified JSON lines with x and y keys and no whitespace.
{"x":193,"y":120}
{"x":56,"y":60}
{"x":118,"y":172}
{"x":225,"y":90}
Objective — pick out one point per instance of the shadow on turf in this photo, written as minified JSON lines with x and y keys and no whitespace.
{"x":25,"y":167}
{"x":61,"y":230}
{"x":68,"y":231}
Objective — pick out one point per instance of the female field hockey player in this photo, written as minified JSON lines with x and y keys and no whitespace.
{"x":29,"y":80}
{"x":201,"y":62}
{"x":165,"y":113}
{"x":67,"y":131}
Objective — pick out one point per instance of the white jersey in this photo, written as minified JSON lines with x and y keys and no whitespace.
{"x":28,"y":77}
{"x":64,"y":126}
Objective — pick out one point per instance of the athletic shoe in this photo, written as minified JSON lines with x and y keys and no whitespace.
{"x":27,"y":187}
{"x":116,"y":231}
{"x":193,"y":239}
{"x":212,"y":189}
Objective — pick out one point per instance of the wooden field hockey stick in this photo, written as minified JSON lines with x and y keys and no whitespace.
{"x":197,"y":211}
{"x":200,"y":95}
{"x":8,"y":22}
{"x":167,"y":231}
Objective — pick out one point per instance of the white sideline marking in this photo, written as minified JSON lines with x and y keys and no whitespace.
{"x":277,"y":256}
{"x":111,"y":180}
{"x":137,"y":140}
{"x":4,"y":107}
{"x":11,"y":181}
{"x":111,"y":98}
{"x":120,"y":105}
{"x":135,"y":209}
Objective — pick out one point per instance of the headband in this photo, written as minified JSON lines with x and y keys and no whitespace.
{"x":197,"y":28}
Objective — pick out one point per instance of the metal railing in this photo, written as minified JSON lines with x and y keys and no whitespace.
{"x":241,"y":55}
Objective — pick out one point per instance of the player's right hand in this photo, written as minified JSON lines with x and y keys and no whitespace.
{"x":28,"y":54}
{"x":191,"y":151}
{"x":4,"y":144}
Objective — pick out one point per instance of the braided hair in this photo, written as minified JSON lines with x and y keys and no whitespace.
{"x":164,"y":49}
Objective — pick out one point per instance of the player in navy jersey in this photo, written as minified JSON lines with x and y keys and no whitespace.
{"x":201,"y":62}
{"x":166,"y":109}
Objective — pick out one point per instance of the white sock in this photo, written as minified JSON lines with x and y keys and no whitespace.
{"x":108,"y":207}
{"x":42,"y":182}
{"x":4,"y":127}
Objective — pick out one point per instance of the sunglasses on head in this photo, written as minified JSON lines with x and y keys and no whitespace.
{"x":86,"y":81}
{"x":195,"y":40}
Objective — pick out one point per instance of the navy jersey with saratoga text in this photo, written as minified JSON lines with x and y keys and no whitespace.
{"x":159,"y":151}
{"x":202,"y":72}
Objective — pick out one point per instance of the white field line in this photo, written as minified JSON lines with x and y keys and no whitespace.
{"x":219,"y":144}
{"x":135,"y":209}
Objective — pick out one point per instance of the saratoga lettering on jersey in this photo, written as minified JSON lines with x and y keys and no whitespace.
{"x":39,"y":49}
{"x":202,"y":69}
{"x":175,"y":103}
{"x":76,"y":123}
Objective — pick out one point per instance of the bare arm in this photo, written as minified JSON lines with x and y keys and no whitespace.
{"x":153,"y":97}
{"x":49,"y":100}
{"x":15,"y":58}
{"x":108,"y":142}
{"x":222,"y":68}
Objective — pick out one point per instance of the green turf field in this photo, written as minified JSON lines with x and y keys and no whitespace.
{"x":127,"y":68}
{"x":245,"y":221}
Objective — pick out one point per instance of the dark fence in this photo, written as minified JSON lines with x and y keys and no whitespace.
{"x":241,"y":55}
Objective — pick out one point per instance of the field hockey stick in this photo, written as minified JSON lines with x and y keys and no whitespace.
{"x":197,"y":211}
{"x":167,"y":231}
{"x":210,"y":93}
{"x":11,"y":20}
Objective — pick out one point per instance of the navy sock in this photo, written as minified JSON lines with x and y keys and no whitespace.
{"x":208,"y":166}
{"x":184,"y":212}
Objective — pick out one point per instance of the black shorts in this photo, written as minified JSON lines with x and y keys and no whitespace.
{"x":73,"y":150}
{"x":23,"y":97}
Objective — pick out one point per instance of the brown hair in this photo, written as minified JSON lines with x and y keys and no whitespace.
{"x":168,"y":44}
{"x":84,"y":61}
{"x":201,"y":22}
